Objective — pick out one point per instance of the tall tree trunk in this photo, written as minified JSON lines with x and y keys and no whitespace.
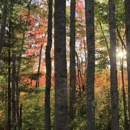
{"x":89,"y":9}
{"x":9,"y":81}
{"x":78,"y":73}
{"x":72,"y":62}
{"x":48,"y":69}
{"x":61,"y":103}
{"x":124,"y":95}
{"x":20,"y":117}
{"x":3,"y":25}
{"x":17,"y":102}
{"x":127,"y":15}
{"x":9,"y":91}
{"x":113,"y":67}
{"x":14,"y":94}
{"x":39,"y":66}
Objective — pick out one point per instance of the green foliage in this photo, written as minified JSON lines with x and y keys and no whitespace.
{"x":102,"y":60}
{"x":33,"y":112}
{"x":3,"y":115}
{"x":103,"y":109}
{"x":80,"y":120}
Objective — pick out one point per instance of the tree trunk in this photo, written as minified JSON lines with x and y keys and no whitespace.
{"x":72,"y":62}
{"x":39,"y":66}
{"x":9,"y":81}
{"x":20,"y":117}
{"x":124,"y":96}
{"x":61,"y":103}
{"x":14,"y":94}
{"x":78,"y":74}
{"x":89,"y":9}
{"x":113,"y":67}
{"x":48,"y":69}
{"x":3,"y":25}
{"x":9,"y":92}
{"x":127,"y":15}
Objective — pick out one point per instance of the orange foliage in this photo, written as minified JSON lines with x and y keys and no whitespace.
{"x":80,"y":5}
{"x":102,"y":79}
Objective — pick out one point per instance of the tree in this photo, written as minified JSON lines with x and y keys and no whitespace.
{"x":3,"y":25}
{"x":72,"y":61}
{"x":89,"y":9}
{"x":127,"y":22}
{"x":61,"y":107}
{"x":48,"y":69}
{"x":113,"y":67}
{"x":14,"y":93}
{"x":126,"y":126}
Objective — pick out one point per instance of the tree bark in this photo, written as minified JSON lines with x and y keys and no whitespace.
{"x":14,"y":94}
{"x":61,"y":103}
{"x":127,"y":15}
{"x":89,"y":9}
{"x":72,"y":62}
{"x":3,"y":25}
{"x":48,"y":69}
{"x":113,"y":67}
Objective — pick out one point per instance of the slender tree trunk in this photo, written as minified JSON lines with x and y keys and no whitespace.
{"x":14,"y":94}
{"x":113,"y":68}
{"x":121,"y":39}
{"x":78,"y":73}
{"x":17,"y":102}
{"x":3,"y":25}
{"x":48,"y":69}
{"x":9,"y":91}
{"x":127,"y":14}
{"x":89,"y":9}
{"x":61,"y":103}
{"x":124,"y":96}
{"x":9,"y":81}
{"x":39,"y":66}
{"x":72,"y":62}
{"x":20,"y":117}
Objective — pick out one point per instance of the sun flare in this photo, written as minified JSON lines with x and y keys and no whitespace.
{"x":121,"y":54}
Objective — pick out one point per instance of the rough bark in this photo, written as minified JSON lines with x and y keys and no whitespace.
{"x":48,"y":69}
{"x":3,"y":25}
{"x":61,"y":106}
{"x":113,"y":67}
{"x":127,"y":15}
{"x":72,"y":62}
{"x":89,"y":9}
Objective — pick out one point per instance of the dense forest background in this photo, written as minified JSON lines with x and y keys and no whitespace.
{"x":64,"y":64}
